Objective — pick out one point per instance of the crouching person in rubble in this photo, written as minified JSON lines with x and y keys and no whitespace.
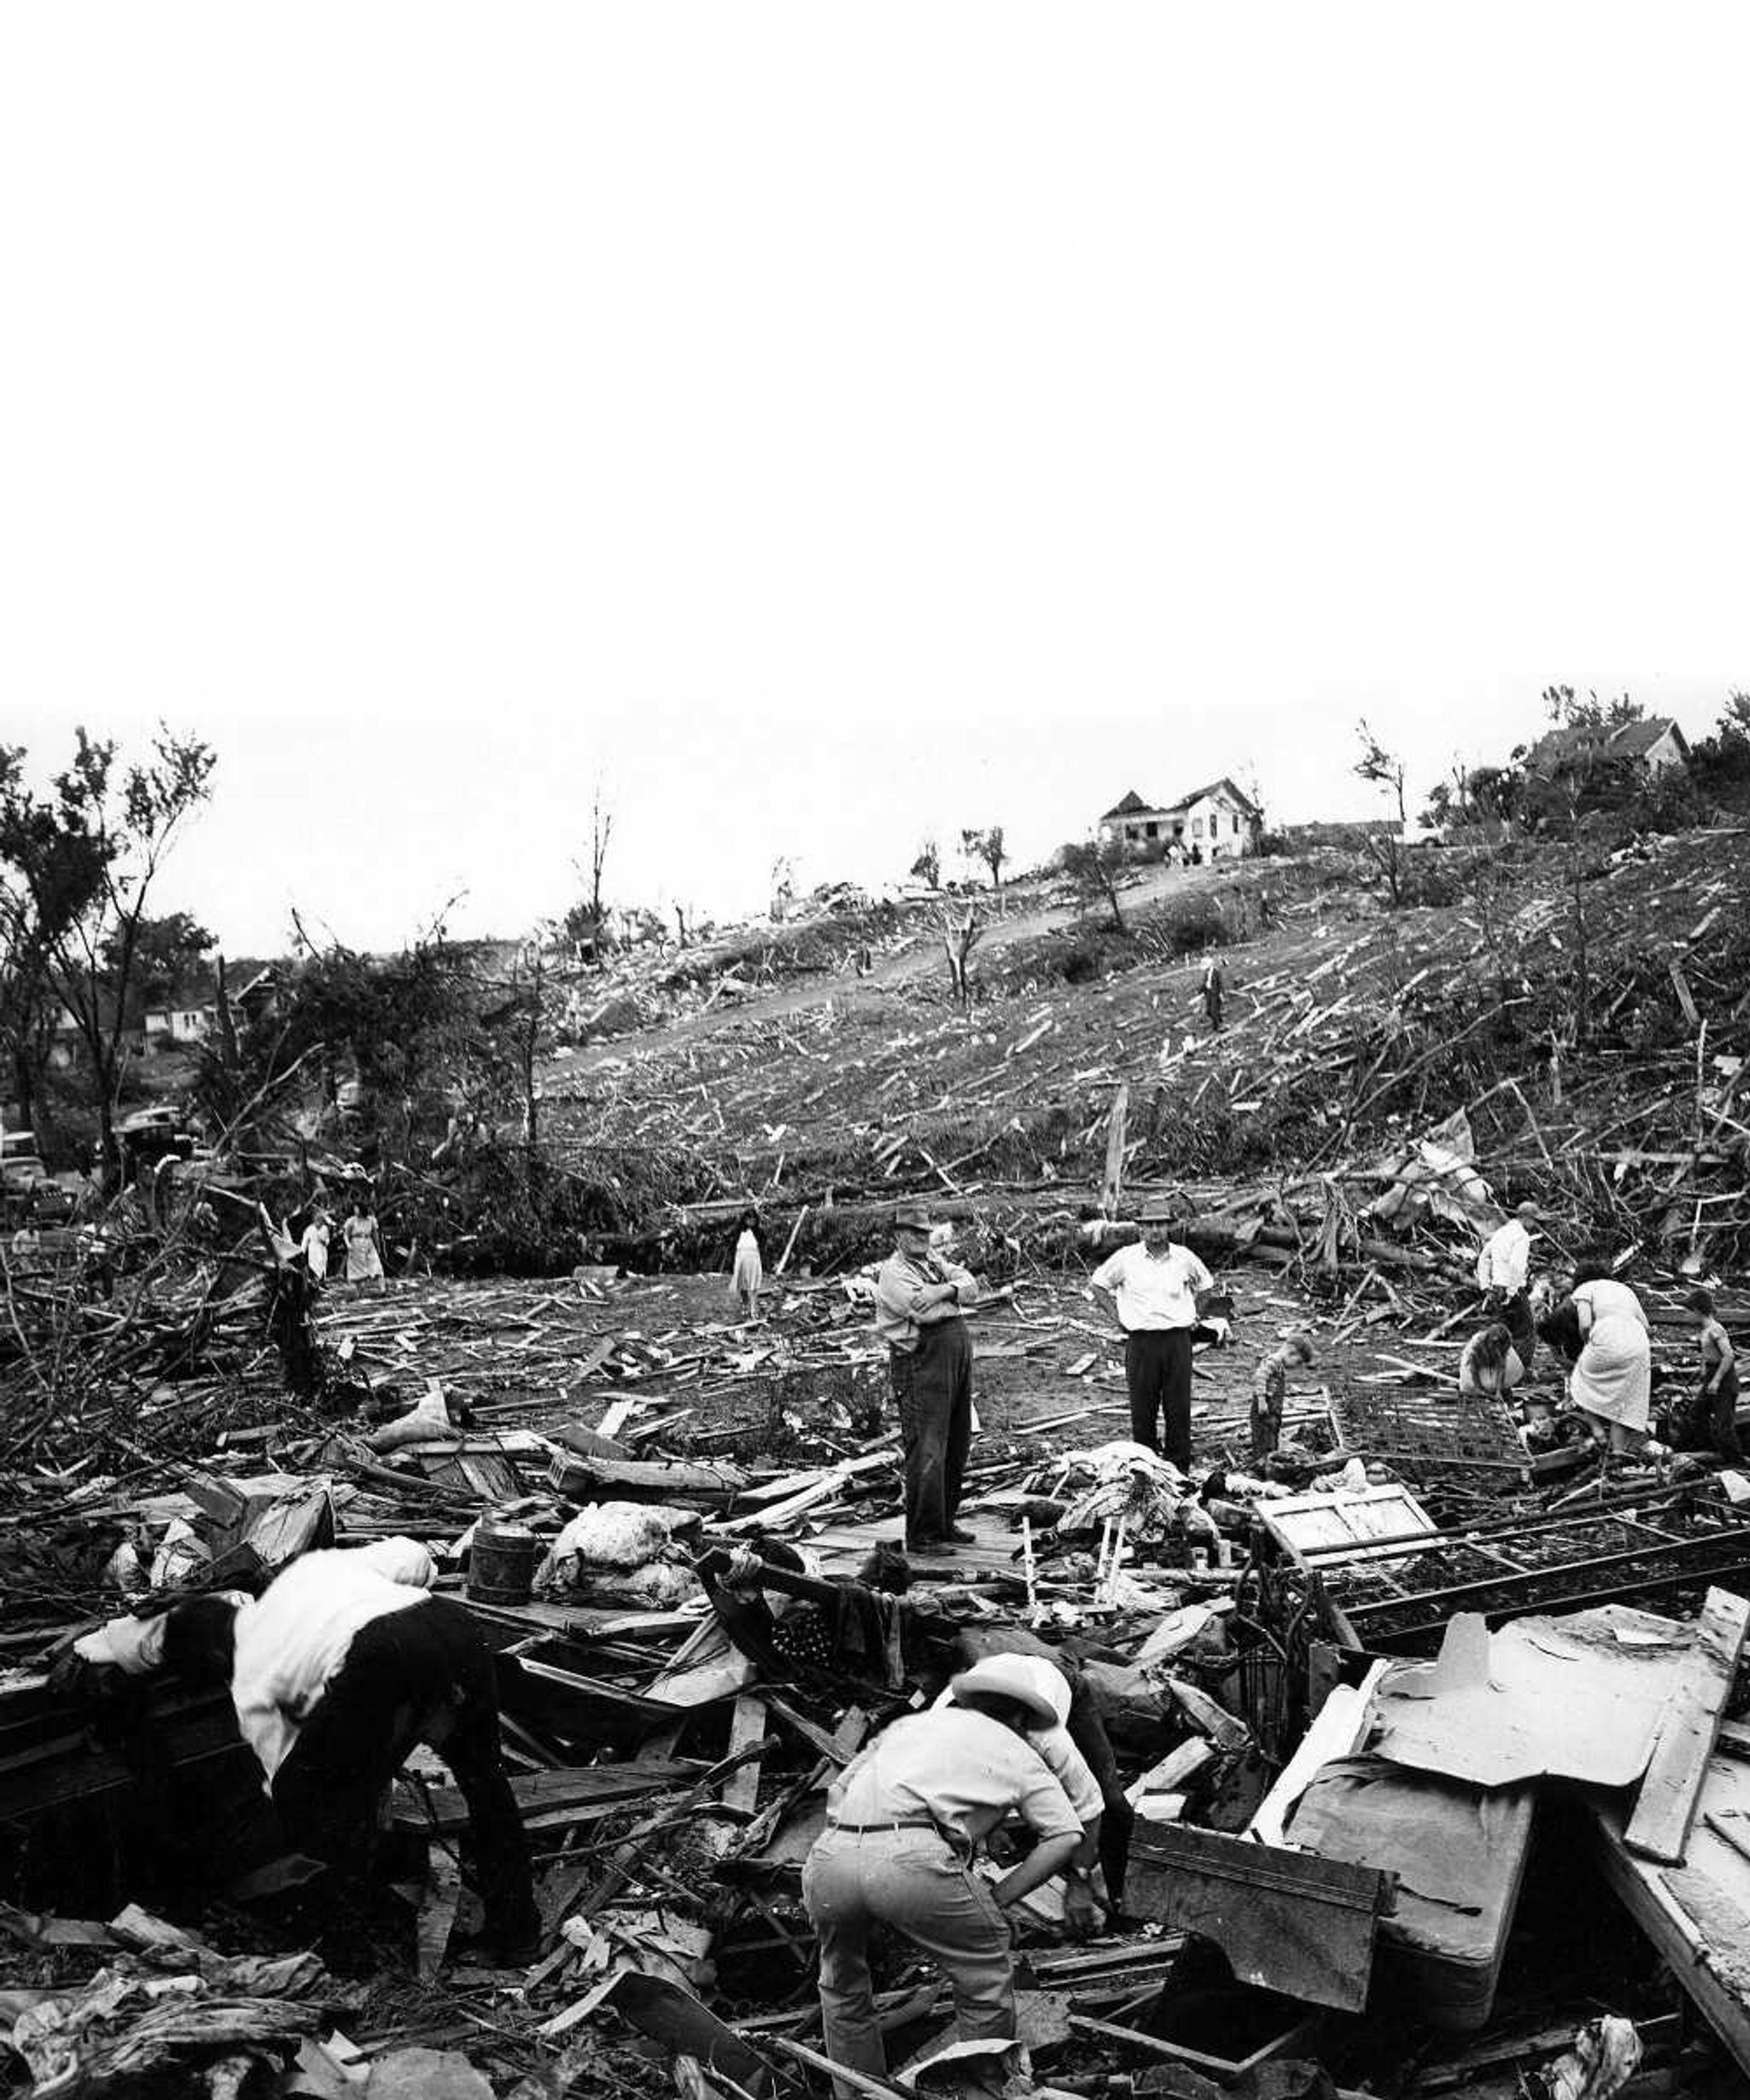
{"x":905,"y":1819}
{"x":342,"y":1665}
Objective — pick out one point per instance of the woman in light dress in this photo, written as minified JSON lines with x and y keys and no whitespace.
{"x":1602,"y":1330}
{"x":364,"y":1245}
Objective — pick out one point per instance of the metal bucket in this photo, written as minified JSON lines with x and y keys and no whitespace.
{"x":501,"y":1563}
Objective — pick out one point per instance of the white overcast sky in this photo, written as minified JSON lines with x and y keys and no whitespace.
{"x":835,"y":423}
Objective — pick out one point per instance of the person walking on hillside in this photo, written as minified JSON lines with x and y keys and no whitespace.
{"x":918,"y":1300}
{"x":1213,"y":986}
{"x":1151,"y":1289}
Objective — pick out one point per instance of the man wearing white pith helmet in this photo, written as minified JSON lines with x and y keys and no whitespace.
{"x":903,"y":1822}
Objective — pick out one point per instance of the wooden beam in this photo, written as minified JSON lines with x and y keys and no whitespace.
{"x":1666,"y":1807}
{"x":1113,"y":1183}
{"x":741,"y":1791}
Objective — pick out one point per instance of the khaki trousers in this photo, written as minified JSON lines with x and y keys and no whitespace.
{"x":914,"y":1881}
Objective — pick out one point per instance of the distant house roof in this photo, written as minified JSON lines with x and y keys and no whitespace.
{"x":1214,"y":787}
{"x":1634,"y":740}
{"x":1132,"y":804}
{"x":1628,"y":739}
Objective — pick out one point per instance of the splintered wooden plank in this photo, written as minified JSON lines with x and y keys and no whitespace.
{"x":740,"y":1790}
{"x":1665,"y":1808}
{"x":1113,"y":1183}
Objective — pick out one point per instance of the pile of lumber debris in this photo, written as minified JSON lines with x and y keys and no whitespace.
{"x":1341,"y":1705}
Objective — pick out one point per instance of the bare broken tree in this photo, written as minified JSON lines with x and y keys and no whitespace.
{"x":1386,"y":769}
{"x":960,"y":936}
{"x":586,"y":924}
{"x":1094,"y":866}
{"x":988,"y":847}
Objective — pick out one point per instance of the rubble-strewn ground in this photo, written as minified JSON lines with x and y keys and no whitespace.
{"x":1349,"y":1033}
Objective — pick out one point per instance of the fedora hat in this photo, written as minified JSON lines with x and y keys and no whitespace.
{"x":912,"y":1217}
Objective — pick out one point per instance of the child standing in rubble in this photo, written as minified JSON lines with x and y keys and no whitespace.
{"x":1270,"y":1393}
{"x":1714,"y":1412}
{"x":747,"y":1272}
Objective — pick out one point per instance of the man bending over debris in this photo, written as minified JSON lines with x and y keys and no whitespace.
{"x":1152,"y":1291}
{"x":903,"y":1820}
{"x":918,"y":1296}
{"x":336,"y":1670}
{"x":1504,"y":1276}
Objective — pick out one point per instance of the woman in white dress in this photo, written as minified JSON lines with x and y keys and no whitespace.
{"x":1611,"y":1380}
{"x":364,"y":1245}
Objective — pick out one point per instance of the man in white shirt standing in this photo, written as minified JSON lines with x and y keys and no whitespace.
{"x":1504,"y":1275}
{"x":1151,"y":1288}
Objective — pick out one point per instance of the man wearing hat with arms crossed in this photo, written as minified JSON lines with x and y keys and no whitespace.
{"x":903,"y":1819}
{"x":1152,"y":1292}
{"x":1504,"y":1274}
{"x":918,"y":1301}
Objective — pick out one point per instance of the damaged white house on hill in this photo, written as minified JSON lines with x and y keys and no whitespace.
{"x":1220,"y":820}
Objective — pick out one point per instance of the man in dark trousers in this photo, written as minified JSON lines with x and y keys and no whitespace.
{"x":918,"y":1298}
{"x":342,"y":1664}
{"x":1151,"y":1290}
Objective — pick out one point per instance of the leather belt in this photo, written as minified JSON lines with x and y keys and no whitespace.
{"x":898,"y":1822}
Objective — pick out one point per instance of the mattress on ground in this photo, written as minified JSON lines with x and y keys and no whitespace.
{"x":1458,"y":1852}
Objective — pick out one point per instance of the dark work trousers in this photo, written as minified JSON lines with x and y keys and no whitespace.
{"x":420,"y":1675}
{"x":1086,"y":1728}
{"x":1158,"y":1371}
{"x":1723,"y":1416}
{"x":932,"y":1390}
{"x":1516,"y":1312}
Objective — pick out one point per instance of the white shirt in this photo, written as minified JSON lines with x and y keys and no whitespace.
{"x":315,"y":1245}
{"x":1506,"y":1260}
{"x":295,"y":1639}
{"x":1154,"y":1293}
{"x":959,"y":1767}
{"x":1056,"y":1744}
{"x":1070,"y":1768}
{"x":291,"y":1640}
